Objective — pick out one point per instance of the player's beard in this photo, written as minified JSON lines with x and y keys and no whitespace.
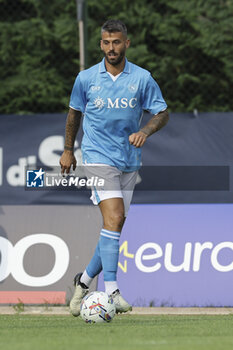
{"x":115,"y":59}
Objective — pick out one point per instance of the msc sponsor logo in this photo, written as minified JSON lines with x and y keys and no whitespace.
{"x":151,"y":257}
{"x":117,"y":103}
{"x":99,"y":102}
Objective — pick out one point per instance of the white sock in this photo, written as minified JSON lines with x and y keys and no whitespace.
{"x":110,"y":286}
{"x":86,"y":279}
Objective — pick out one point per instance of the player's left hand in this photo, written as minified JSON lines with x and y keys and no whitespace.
{"x":137,"y":139}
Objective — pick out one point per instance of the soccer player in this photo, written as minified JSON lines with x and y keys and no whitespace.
{"x":112,"y":96}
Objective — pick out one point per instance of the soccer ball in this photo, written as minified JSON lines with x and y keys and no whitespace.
{"x":97,"y":307}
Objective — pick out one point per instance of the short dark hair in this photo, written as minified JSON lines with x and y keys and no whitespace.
{"x":114,"y":25}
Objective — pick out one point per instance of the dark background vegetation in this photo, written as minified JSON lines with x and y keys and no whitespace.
{"x":187,"y":45}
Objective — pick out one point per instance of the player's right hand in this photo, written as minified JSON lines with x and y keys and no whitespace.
{"x":67,"y":159}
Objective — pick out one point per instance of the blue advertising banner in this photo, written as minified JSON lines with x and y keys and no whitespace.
{"x":188,"y":161}
{"x":177,"y":255}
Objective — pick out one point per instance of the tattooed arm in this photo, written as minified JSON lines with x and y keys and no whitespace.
{"x":72,"y":126}
{"x":155,"y":123}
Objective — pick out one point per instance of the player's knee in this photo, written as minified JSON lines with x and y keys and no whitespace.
{"x":114,"y":221}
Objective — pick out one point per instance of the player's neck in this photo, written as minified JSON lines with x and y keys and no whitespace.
{"x":115,"y":70}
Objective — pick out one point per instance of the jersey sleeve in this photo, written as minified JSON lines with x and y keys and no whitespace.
{"x":153,"y":100}
{"x":78,"y":96}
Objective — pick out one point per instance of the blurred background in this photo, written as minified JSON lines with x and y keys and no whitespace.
{"x":177,"y":240}
{"x":187,"y":46}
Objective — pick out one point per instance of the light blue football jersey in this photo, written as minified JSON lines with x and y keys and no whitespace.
{"x":112,"y":111}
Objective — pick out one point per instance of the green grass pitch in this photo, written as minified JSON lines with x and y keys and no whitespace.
{"x":42,"y":332}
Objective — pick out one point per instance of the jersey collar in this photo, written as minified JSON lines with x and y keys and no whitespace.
{"x":102,"y":68}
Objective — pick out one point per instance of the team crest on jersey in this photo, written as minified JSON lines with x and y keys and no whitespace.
{"x":132,"y":88}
